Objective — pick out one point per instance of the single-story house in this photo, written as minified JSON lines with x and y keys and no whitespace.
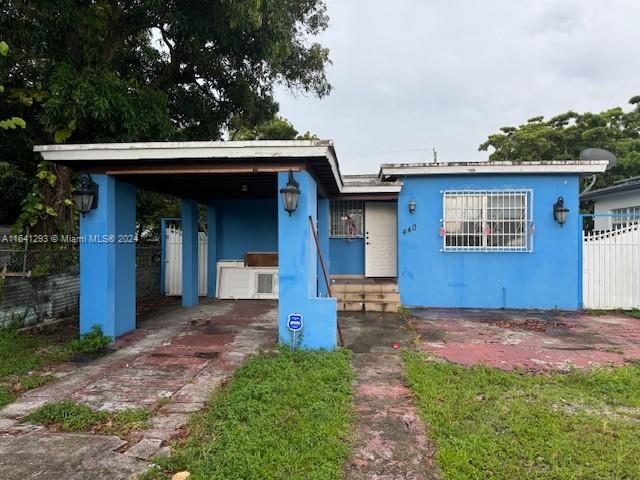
{"x":615,"y":206}
{"x":464,"y":234}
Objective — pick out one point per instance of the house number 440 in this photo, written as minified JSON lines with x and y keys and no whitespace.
{"x":410,"y":229}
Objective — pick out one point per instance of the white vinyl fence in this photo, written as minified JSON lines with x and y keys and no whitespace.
{"x":611,"y":268}
{"x":173,"y":274}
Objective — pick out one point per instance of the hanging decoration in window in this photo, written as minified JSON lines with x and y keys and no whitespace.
{"x":498,"y":220}
{"x":347,"y":219}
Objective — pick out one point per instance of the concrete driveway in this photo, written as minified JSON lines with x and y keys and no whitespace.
{"x":529,"y":339}
{"x":171,"y":364}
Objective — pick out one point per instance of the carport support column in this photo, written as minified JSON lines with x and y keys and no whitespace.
{"x":298,"y":272}
{"x":212,"y":252}
{"x":108,"y":259}
{"x":323,"y":240}
{"x":189,"y":209}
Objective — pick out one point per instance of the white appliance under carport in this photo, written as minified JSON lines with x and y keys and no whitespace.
{"x":235,"y":280}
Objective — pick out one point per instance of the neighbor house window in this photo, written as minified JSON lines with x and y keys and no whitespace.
{"x":347,"y":218}
{"x":487,"y":220}
{"x":625,"y":216}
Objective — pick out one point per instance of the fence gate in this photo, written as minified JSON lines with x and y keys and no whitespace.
{"x":611,"y":268}
{"x":173,"y":275}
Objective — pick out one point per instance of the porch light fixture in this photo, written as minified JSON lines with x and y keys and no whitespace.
{"x":560,"y":212}
{"x":412,"y":206}
{"x":290,"y":194}
{"x":86,"y":197}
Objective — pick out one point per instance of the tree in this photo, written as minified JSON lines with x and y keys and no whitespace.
{"x":277,"y":128}
{"x":564,"y":136}
{"x":13,"y":182}
{"x":116,"y":70}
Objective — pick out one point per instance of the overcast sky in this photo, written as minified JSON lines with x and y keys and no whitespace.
{"x":412,"y":75}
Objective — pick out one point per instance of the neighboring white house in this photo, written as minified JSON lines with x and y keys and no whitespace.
{"x":621,"y":201}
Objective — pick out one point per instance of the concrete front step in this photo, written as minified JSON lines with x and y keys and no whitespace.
{"x":364,"y":288}
{"x":367,"y":297}
{"x":360,"y":294}
{"x":368,"y":307}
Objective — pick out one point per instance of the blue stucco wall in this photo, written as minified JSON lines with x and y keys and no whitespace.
{"x":548,"y":277}
{"x":298,"y":270}
{"x":245,"y":226}
{"x":347,"y":257}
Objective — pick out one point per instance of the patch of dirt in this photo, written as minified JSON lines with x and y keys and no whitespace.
{"x":530,"y":325}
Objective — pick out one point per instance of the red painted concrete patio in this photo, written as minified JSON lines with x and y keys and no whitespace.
{"x":531,"y":340}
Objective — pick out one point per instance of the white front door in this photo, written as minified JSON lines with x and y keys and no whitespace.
{"x":381,"y":237}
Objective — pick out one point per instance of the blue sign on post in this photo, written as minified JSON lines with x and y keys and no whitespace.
{"x":294,"y":322}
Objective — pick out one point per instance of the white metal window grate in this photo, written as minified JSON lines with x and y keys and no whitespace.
{"x":487,"y":220}
{"x":625,"y":216}
{"x":346,"y":218}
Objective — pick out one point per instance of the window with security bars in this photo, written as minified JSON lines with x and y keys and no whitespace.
{"x":625,"y":216}
{"x":487,"y":220}
{"x":346,"y":218}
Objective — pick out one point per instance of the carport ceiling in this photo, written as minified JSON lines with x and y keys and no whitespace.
{"x":206,"y":187}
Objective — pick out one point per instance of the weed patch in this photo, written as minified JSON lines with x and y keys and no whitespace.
{"x":69,"y":416}
{"x":634,"y":313}
{"x":93,"y":341}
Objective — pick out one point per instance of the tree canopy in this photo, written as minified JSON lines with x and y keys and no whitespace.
{"x":139,"y":70}
{"x":564,"y":136}
{"x":277,"y":128}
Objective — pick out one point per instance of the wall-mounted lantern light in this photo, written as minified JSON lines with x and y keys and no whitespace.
{"x":560,"y":212}
{"x":412,"y":206}
{"x":290,"y":194}
{"x":86,"y":197}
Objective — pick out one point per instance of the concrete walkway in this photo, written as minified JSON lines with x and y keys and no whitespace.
{"x":391,"y":443}
{"x":170,"y":364}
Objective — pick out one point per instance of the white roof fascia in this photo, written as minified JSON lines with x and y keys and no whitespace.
{"x":393,"y":188}
{"x":169,"y":150}
{"x":580,"y":167}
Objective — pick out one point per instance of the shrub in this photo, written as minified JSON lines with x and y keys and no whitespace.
{"x":92,"y":342}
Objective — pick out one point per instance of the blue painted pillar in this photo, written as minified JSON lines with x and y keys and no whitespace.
{"x":108,"y":259}
{"x":298,"y":271}
{"x":323,"y":240}
{"x":212,"y":252}
{"x":189,"y":212}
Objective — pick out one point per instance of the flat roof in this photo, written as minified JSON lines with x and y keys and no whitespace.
{"x":138,"y":160}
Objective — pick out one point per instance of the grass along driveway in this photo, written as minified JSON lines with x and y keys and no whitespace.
{"x":22,"y":355}
{"x":283,"y":415}
{"x":487,"y":423}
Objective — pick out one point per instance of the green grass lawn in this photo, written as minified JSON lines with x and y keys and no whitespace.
{"x":22,"y":353}
{"x":284,"y":415}
{"x":490,"y":424}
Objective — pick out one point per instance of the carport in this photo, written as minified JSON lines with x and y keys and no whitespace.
{"x":205,"y":173}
